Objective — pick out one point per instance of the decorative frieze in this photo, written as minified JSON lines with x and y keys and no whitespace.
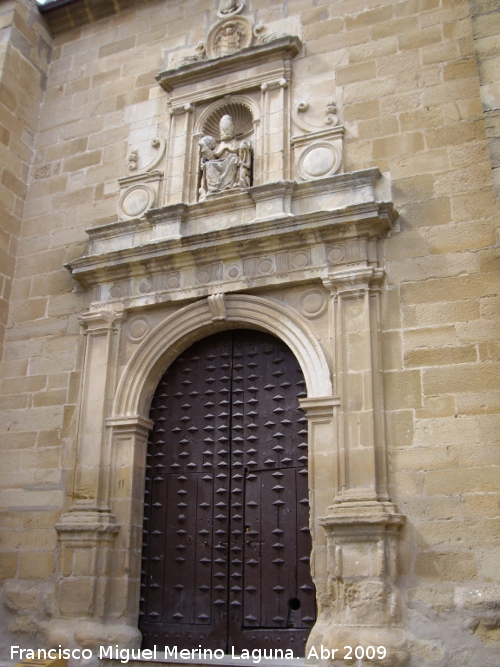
{"x":234,"y":273}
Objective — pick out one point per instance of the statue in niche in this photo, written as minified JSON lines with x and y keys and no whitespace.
{"x":226,"y":166}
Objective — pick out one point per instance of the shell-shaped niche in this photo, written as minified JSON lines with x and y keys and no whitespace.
{"x":241,"y":115}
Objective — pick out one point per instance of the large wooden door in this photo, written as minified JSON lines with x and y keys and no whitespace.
{"x":226,"y":521}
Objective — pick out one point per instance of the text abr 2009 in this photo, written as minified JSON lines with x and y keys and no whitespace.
{"x":348,"y":653}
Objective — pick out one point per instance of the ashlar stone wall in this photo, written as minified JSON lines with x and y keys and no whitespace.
{"x":25,"y":49}
{"x":405,"y":79}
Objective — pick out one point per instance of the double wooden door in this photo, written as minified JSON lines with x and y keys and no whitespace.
{"x":226,"y":555}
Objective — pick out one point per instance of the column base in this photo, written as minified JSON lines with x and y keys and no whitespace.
{"x":364,"y":603}
{"x":90,"y":634}
{"x":330,"y":644}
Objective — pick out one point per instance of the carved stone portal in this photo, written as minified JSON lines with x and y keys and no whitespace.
{"x":278,"y":240}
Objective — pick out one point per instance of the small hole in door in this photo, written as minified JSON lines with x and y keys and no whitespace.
{"x":294,"y":604}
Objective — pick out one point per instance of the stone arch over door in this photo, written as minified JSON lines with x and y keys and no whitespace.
{"x":198,"y":320}
{"x":129,"y":426}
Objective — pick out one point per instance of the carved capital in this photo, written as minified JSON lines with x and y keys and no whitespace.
{"x":86,"y":526}
{"x":180,"y":109}
{"x":354,"y":280}
{"x":319,"y":407}
{"x":101,"y":321}
{"x":130,"y":425}
{"x":272,"y":85}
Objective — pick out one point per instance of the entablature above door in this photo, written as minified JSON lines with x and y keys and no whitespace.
{"x":281,"y":233}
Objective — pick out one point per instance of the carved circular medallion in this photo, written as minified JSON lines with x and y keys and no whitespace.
{"x":115,"y":292}
{"x":300,"y":259}
{"x":144,"y":287}
{"x":335,"y":255}
{"x":229,"y":36}
{"x":234,"y":271}
{"x":265,"y":265}
{"x":173,"y":281}
{"x":313,"y":304}
{"x":319,"y":160}
{"x":230,"y":8}
{"x":203,"y":276}
{"x":138,"y":327}
{"x":135,"y":201}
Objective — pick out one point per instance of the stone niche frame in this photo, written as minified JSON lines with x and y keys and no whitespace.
{"x":258,"y":76}
{"x":297,"y":260}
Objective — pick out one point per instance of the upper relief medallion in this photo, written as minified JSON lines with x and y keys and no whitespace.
{"x":225,"y":166}
{"x":230,"y":8}
{"x":228,"y":37}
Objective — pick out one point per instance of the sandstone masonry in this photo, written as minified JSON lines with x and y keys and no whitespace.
{"x":388,"y":296}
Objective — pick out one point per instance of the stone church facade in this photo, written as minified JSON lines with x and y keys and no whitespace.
{"x":315,"y":181}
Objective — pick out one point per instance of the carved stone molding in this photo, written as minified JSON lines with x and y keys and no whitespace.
{"x":320,"y":406}
{"x":283,"y":213}
{"x":202,"y":71}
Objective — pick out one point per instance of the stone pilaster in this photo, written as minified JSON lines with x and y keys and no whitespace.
{"x":275,"y":153}
{"x":91,"y":486}
{"x":361,"y":605}
{"x":129,"y":436}
{"x":181,"y":125}
{"x":87,"y":533}
{"x":355,"y":306}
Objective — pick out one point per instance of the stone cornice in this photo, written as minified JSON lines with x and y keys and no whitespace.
{"x":366,"y":220}
{"x":346,"y":196}
{"x":276,"y":233}
{"x":284,"y":47}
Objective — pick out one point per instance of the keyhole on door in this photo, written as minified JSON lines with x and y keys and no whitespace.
{"x":294,"y":604}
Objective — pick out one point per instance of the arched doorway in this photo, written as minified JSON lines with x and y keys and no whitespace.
{"x":226,"y":525}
